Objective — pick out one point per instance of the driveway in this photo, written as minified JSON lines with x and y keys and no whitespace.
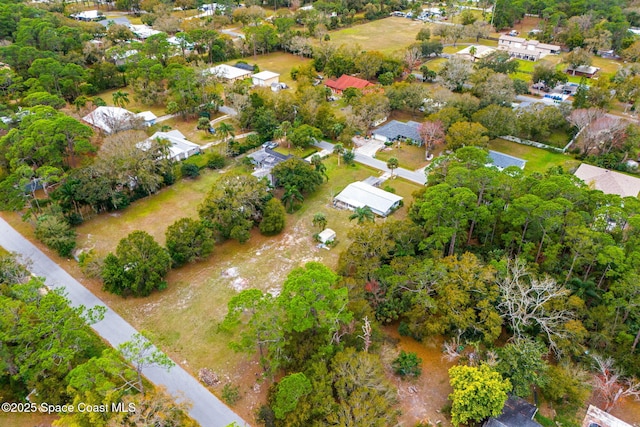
{"x":370,"y":147}
{"x":206,"y":409}
{"x":415,"y":176}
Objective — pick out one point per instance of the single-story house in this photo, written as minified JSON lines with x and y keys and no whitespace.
{"x":345,"y":81}
{"x":327,"y":235}
{"x":143,"y":32}
{"x":609,"y":182}
{"x":582,"y":71}
{"x":479,"y":52}
{"x":112,"y":119}
{"x":521,"y":48}
{"x":264,"y":160}
{"x":148,"y":117}
{"x":88,"y":15}
{"x":265,"y":78}
{"x":395,"y":130}
{"x":503,"y":161}
{"x":122,"y":57}
{"x":179,"y":149}
{"x":229,"y":73}
{"x":596,"y":417}
{"x":358,"y":195}
{"x":517,"y":412}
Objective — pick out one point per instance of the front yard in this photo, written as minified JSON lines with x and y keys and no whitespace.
{"x":538,"y":160}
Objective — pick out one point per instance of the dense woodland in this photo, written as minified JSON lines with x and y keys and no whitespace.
{"x":536,"y":273}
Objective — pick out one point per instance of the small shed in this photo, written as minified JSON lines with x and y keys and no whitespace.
{"x":265,"y":78}
{"x":148,"y":117}
{"x":327,"y":235}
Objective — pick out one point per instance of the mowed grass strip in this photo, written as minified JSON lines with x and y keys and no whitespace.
{"x":538,"y":160}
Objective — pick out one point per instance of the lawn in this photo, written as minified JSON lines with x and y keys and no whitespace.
{"x":409,"y":156}
{"x":278,"y":62}
{"x":386,"y":35}
{"x":184,"y":318}
{"x":190,"y":130}
{"x":133,"y":105}
{"x":538,"y":160}
{"x":26,"y":419}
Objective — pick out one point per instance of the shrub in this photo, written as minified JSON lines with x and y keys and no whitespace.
{"x":55,"y":232}
{"x":215,"y":161}
{"x":273,"y":218}
{"x":407,"y":364}
{"x":189,"y":170}
{"x":230,"y":394}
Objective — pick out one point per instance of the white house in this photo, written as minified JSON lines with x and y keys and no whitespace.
{"x":179,"y":149}
{"x":148,"y":117}
{"x":531,"y":50}
{"x":112,"y":119}
{"x":358,"y":195}
{"x":88,"y":15}
{"x":479,"y":52}
{"x":228,"y":73}
{"x":143,"y":32}
{"x":265,"y":78}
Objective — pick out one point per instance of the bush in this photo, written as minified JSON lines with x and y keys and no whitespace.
{"x":189,"y":170}
{"x":407,"y":364}
{"x":55,"y":232}
{"x":188,"y":240}
{"x":215,"y":161}
{"x":230,"y":394}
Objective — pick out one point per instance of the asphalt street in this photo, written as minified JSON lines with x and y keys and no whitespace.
{"x":207,"y":409}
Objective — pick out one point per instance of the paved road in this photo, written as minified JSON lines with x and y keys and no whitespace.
{"x":206,"y":409}
{"x":414,"y":176}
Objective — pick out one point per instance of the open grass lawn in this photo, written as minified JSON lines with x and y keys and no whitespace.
{"x":558,"y":139}
{"x":183,"y":319}
{"x":3,"y":251}
{"x":190,"y":130}
{"x":303,"y":154}
{"x":436,"y":63}
{"x":133,"y":105}
{"x":385,"y":35}
{"x":409,"y":156}
{"x":278,"y":62}
{"x":538,"y":160}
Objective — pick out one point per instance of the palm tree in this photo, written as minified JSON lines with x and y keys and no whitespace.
{"x":120,"y":98}
{"x":225,"y":130}
{"x":338,"y":149}
{"x":392,"y":164}
{"x":362,"y":215}
{"x":316,"y":161}
{"x":290,"y":196}
{"x":472,"y":52}
{"x":320,"y":221}
{"x":281,"y":132}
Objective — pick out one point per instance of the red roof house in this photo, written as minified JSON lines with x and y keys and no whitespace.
{"x":345,"y":81}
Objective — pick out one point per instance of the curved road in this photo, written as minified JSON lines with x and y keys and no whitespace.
{"x":206,"y":409}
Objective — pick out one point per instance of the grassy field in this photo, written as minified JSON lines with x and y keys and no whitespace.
{"x":278,"y":62}
{"x":184,"y":318}
{"x":133,"y":105}
{"x":538,"y":160}
{"x":385,"y":35}
{"x":409,"y":156}
{"x":26,"y":420}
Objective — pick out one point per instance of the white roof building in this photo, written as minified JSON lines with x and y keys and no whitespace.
{"x":608,"y":182}
{"x":88,"y":15}
{"x":479,"y":53}
{"x":111,"y":119}
{"x":358,"y":195}
{"x":326,"y":235}
{"x":179,"y":149}
{"x":148,"y":117}
{"x":597,"y":417}
{"x":265,"y":78}
{"x":229,"y":73}
{"x":144,"y":31}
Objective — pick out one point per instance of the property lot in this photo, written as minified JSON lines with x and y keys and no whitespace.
{"x":384,"y":35}
{"x":538,"y":160}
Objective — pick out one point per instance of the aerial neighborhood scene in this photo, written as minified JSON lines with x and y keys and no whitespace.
{"x":301,"y":213}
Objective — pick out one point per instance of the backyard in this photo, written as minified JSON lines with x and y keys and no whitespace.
{"x":278,"y":62}
{"x":409,"y":156}
{"x":538,"y":160}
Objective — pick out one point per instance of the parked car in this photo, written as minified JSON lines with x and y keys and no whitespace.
{"x":270,"y":145}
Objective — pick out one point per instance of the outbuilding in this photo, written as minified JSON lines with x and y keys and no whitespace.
{"x":265,"y":78}
{"x":326,"y":235}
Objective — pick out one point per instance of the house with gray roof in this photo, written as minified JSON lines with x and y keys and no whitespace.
{"x":264,"y":160}
{"x":359,"y":194}
{"x":517,"y":412}
{"x":395,"y":130}
{"x":503,"y":161}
